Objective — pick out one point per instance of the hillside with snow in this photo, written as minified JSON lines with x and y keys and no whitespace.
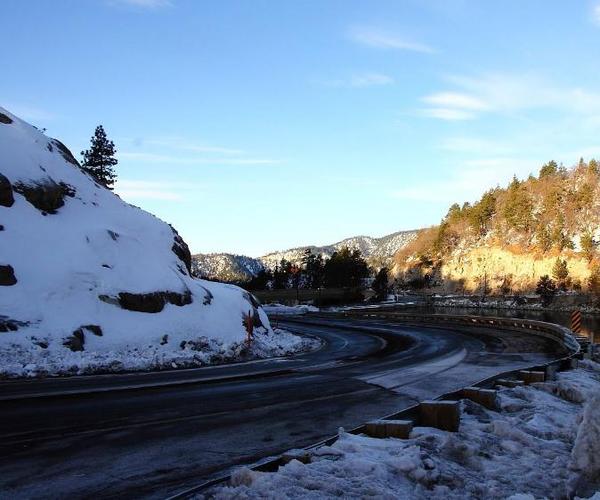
{"x":228,"y":267}
{"x":91,"y":283}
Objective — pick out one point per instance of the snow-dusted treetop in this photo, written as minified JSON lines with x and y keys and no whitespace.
{"x":82,"y":269}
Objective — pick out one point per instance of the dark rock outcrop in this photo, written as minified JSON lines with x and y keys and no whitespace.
{"x":7,"y":276}
{"x":95,"y":329}
{"x":47,"y":197}
{"x":153,"y":302}
{"x":65,"y":152}
{"x":6,"y":192}
{"x":10,"y":325}
{"x":182,"y":251}
{"x":7,"y":120}
{"x":76,"y":341}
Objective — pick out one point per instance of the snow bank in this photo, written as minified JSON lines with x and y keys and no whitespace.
{"x":281,"y":309}
{"x":539,"y":445}
{"x":89,"y":282}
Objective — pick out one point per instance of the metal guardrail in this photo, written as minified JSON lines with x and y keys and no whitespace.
{"x":560,"y":334}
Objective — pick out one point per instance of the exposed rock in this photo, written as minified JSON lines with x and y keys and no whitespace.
{"x":153,"y":302}
{"x":5,"y":119}
{"x":65,"y":152}
{"x":47,"y":196}
{"x":164,"y":340}
{"x":182,"y":251}
{"x":40,"y":343}
{"x":6,"y":193}
{"x":76,"y":341}
{"x":114,"y":236}
{"x":7,"y":276}
{"x":10,"y":325}
{"x":95,"y":329}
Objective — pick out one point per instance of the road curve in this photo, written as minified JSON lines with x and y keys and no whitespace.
{"x":151,"y":435}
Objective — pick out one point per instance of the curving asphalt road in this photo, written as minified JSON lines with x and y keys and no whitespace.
{"x":153,"y":434}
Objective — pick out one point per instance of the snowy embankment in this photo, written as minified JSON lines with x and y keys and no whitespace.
{"x":90,"y":283}
{"x":281,"y":309}
{"x":543,"y":443}
{"x":490,"y":302}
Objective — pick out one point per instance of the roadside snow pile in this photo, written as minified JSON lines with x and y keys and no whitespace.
{"x":91,"y":283}
{"x":281,"y":309}
{"x":545,"y":443}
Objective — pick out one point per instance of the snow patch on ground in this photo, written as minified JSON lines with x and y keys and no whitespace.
{"x":544,"y":443}
{"x":202,"y":351}
{"x":281,"y":309}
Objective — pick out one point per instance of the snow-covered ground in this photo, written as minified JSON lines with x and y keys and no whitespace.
{"x":202,"y":351}
{"x":492,"y":302}
{"x":89,"y":282}
{"x":281,"y":309}
{"x":543,"y":443}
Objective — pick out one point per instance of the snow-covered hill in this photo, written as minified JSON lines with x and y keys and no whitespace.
{"x":88,"y":281}
{"x":228,"y":267}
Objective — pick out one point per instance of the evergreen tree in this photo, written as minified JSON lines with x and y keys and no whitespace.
{"x":587,"y":246}
{"x":594,"y":283}
{"x":345,"y":268}
{"x":380,"y":284}
{"x":560,"y":272}
{"x":546,"y":289}
{"x":549,"y":169}
{"x":518,"y":206}
{"x":99,"y":161}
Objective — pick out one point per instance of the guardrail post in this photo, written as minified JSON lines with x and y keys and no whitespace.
{"x":484,"y":397}
{"x":530,"y":376}
{"x":444,"y":415}
{"x":389,"y":428}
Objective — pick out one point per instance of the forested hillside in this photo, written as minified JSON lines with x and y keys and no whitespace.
{"x":548,"y":224}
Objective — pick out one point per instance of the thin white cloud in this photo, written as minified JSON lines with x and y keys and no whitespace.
{"x":456,"y":100}
{"x":359,"y":80}
{"x":174,"y":150}
{"x":371,"y":79}
{"x":143,"y":4}
{"x":380,"y":39}
{"x":183,"y":144}
{"x":130,"y":189}
{"x":449,"y":114}
{"x":475,"y":145}
{"x":508,"y":93}
{"x":469,"y":181}
{"x":30,"y":113}
{"x":596,"y":14}
{"x":191,"y":160}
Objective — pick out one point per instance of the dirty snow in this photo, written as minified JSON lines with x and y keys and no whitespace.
{"x":98,"y":245}
{"x":276,"y":308}
{"x":544,"y":443}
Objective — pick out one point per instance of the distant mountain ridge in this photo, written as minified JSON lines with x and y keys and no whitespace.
{"x":231,"y":267}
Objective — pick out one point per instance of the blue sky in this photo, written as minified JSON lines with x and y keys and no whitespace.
{"x":260,"y":125}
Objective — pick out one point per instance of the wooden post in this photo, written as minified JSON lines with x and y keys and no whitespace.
{"x":249,"y":325}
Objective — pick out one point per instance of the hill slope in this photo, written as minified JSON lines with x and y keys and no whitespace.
{"x":228,"y":267}
{"x":512,"y":236}
{"x":88,"y":281}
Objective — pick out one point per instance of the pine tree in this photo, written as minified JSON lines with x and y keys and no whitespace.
{"x":594,"y":283}
{"x":380,"y":284}
{"x":560,"y":272}
{"x":546,"y":289}
{"x":99,"y":160}
{"x":587,"y":245}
